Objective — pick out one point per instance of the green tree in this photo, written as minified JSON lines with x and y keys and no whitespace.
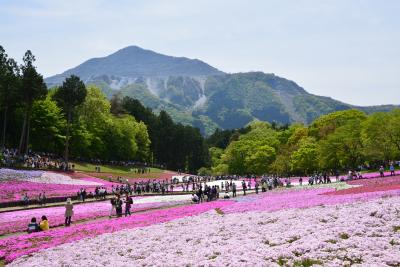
{"x":393,"y":128}
{"x":71,"y":94}
{"x":9,"y":81}
{"x":305,"y":159}
{"x":32,"y":88}
{"x":94,"y":115}
{"x":48,"y":124}
{"x":376,"y":138}
{"x":343,"y":148}
{"x":327,"y":124}
{"x":254,"y":151}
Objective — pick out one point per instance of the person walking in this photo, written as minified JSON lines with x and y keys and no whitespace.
{"x":113,"y":204}
{"x":128,"y":204}
{"x":244,"y":187}
{"x":233,"y":189}
{"x":381,"y":171}
{"x":44,"y":199}
{"x":69,"y":212}
{"x":391,"y":168}
{"x":256,"y":186}
{"x":118,"y":206}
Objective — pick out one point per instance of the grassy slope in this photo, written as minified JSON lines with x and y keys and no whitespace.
{"x":115,"y":171}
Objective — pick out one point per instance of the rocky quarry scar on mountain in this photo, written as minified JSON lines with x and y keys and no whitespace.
{"x":195,"y":93}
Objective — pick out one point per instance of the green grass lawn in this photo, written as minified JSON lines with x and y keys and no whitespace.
{"x":114,"y":171}
{"x":86,"y":167}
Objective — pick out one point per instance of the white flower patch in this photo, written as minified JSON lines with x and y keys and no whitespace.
{"x":165,"y":198}
{"x":43,"y":177}
{"x":219,"y":182}
{"x":56,"y":178}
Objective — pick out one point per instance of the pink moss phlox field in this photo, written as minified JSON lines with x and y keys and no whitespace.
{"x":290,"y":199}
{"x":12,"y":190}
{"x":15,"y":183}
{"x":14,"y":247}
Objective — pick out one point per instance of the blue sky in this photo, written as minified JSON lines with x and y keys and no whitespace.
{"x":348,"y":50}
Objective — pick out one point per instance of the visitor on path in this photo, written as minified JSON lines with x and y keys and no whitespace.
{"x":270,"y":183}
{"x":226,"y":195}
{"x":128,"y":204}
{"x":25,"y":199}
{"x":84,"y":195}
{"x":195,"y":198}
{"x":391,"y":168}
{"x":44,"y":199}
{"x":256,"y":187}
{"x":301,"y":181}
{"x":69,"y":212}
{"x":337,"y":175}
{"x":311,"y":180}
{"x":244,"y":187}
{"x":118,"y":206}
{"x":113,"y":204}
{"x":33,"y":226}
{"x":233,"y":189}
{"x":381,"y":171}
{"x":264,"y":186}
{"x":44,"y":224}
{"x":200,"y":194}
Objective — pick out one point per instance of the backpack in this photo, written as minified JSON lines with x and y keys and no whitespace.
{"x":130,"y":201}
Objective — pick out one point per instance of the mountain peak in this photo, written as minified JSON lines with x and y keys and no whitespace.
{"x":133,"y":62}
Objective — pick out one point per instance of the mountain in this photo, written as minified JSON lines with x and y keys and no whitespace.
{"x":129,"y":63}
{"x":195,"y":93}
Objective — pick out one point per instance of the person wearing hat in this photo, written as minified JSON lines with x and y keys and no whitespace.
{"x":69,"y":212}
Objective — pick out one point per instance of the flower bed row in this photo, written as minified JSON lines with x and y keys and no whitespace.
{"x":292,"y":199}
{"x":371,"y":185}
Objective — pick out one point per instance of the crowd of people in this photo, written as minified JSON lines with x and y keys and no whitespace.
{"x":10,"y":157}
{"x":33,"y":160}
{"x":121,"y":200}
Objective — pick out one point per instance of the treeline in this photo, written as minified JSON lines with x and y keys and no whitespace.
{"x":339,"y":141}
{"x":179,"y":147}
{"x":79,"y":121}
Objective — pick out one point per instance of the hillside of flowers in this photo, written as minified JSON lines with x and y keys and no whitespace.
{"x":360,"y":233}
{"x":325,"y":225}
{"x":15,"y":183}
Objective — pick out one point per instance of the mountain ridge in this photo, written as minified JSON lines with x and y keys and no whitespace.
{"x":193,"y":92}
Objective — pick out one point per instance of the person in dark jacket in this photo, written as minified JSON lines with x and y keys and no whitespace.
{"x":128,"y":204}
{"x":118,"y":206}
{"x":33,"y":226}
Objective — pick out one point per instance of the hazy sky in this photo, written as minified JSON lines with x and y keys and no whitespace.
{"x":348,"y":50}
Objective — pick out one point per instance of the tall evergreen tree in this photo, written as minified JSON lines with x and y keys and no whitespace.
{"x":8,"y":92}
{"x":71,"y":94}
{"x":32,"y":88}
